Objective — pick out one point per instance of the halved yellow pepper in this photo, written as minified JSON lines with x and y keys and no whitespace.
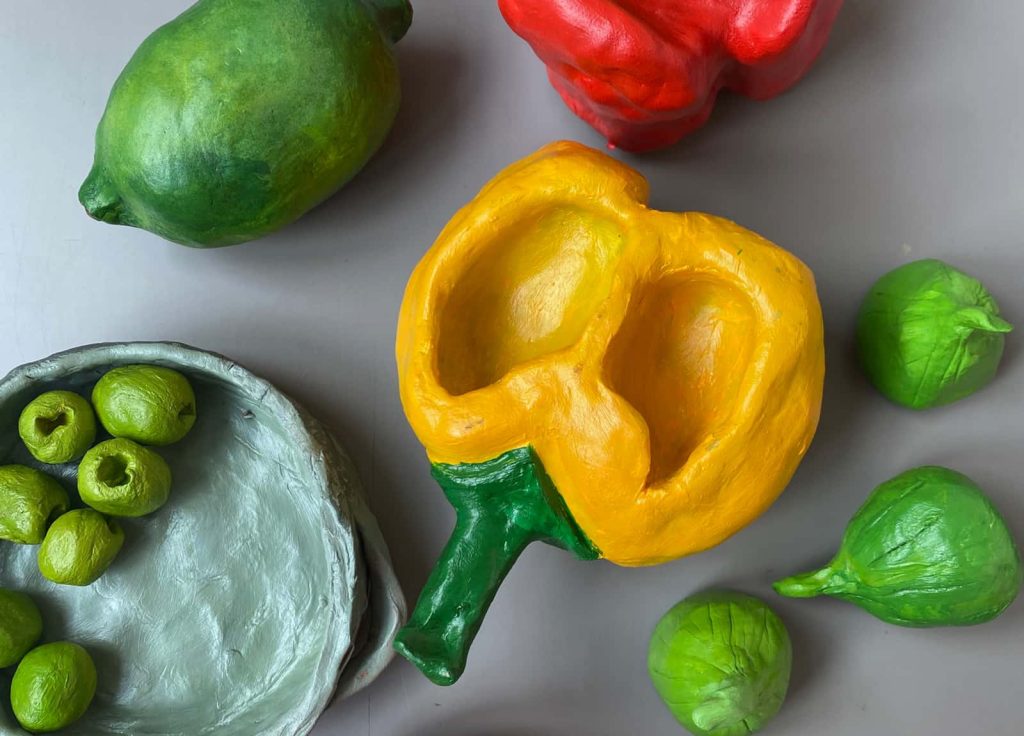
{"x":661,"y":374}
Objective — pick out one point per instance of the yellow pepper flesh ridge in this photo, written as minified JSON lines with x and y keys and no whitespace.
{"x":666,"y":368}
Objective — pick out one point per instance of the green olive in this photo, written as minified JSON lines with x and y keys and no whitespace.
{"x":145,"y":403}
{"x":57,"y":427}
{"x":79,"y":547}
{"x":29,"y":499}
{"x":53,"y":687}
{"x":21,"y":625}
{"x":122,"y":478}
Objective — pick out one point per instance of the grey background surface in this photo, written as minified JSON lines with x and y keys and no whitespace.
{"x":904,"y":142}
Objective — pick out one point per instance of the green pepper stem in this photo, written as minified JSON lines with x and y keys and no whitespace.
{"x":808,"y":584}
{"x":502,"y":506}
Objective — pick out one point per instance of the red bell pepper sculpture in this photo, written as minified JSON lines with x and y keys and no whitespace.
{"x":645,"y":73}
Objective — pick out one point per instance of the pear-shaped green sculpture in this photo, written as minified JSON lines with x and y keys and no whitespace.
{"x":926,"y":549}
{"x":239,"y":116}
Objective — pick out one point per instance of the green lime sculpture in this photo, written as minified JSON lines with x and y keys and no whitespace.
{"x":53,"y":687}
{"x":239,"y":116}
{"x":21,"y":625}
{"x":57,"y":427}
{"x":721,"y":661}
{"x":122,"y":478}
{"x":930,"y":335}
{"x":79,"y":547}
{"x":928,"y":548}
{"x":150,"y":404}
{"x":29,"y":500}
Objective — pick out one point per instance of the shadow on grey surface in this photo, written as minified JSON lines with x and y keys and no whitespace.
{"x":856,"y":22}
{"x":559,"y":708}
{"x":813,"y":648}
{"x":433,"y":81}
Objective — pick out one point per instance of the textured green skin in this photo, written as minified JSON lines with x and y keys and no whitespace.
{"x":239,"y":116}
{"x":79,"y":547}
{"x":21,"y":625}
{"x":143,"y":488}
{"x":145,"y":403}
{"x":721,"y":661}
{"x":28,"y":500}
{"x":926,"y":549}
{"x":502,"y":506}
{"x":53,"y":687}
{"x":62,"y":443}
{"x":929,"y":335}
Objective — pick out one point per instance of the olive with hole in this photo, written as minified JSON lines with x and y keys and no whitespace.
{"x":145,"y":403}
{"x":79,"y":547}
{"x":122,"y":478}
{"x":29,"y":500}
{"x":57,"y":427}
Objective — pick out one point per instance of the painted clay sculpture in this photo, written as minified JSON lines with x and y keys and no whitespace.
{"x":57,"y":427}
{"x":623,"y":383}
{"x":929,"y":335}
{"x":149,"y":404}
{"x":928,"y":548}
{"x":21,"y":625}
{"x":53,"y":687}
{"x":239,"y":116}
{"x":79,"y":547}
{"x":645,"y":73}
{"x":261,"y":591}
{"x":29,"y":501}
{"x":721,"y":661}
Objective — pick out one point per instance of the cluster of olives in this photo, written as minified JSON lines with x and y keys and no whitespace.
{"x":137,"y":405}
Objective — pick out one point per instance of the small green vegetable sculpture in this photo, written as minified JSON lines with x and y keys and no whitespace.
{"x":927,"y":549}
{"x":145,"y":403}
{"x":53,"y":687}
{"x":21,"y":625}
{"x":29,"y":500}
{"x":121,"y":478}
{"x":721,"y":661}
{"x":79,"y":547}
{"x":930,"y":335}
{"x":57,"y":427}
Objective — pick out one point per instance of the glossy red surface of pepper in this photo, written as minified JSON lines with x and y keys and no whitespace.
{"x":645,"y":73}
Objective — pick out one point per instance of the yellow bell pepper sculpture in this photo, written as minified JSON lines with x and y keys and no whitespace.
{"x":621,"y":382}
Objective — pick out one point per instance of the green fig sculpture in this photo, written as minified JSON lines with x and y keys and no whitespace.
{"x":239,"y":116}
{"x":927,"y":549}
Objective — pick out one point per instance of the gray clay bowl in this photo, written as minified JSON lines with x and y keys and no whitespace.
{"x":261,"y":591}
